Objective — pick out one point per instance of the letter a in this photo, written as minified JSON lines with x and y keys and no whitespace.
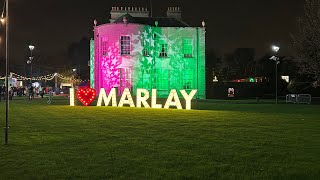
{"x":103,"y":96}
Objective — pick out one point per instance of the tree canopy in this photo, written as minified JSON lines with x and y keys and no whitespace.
{"x":306,"y":43}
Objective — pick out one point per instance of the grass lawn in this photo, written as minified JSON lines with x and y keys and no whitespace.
{"x":225,"y":141}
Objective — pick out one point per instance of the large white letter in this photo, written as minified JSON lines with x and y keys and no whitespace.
{"x":103,"y":96}
{"x":188,"y":98}
{"x":71,"y":96}
{"x":173,"y":95}
{"x":126,"y":94}
{"x":143,"y":99}
{"x":154,"y":100}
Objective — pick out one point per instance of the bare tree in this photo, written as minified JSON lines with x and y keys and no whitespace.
{"x":306,"y":43}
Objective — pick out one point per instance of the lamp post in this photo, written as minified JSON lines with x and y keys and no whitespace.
{"x":56,"y":83}
{"x":276,"y":59}
{"x":74,"y":76}
{"x":31,"y":47}
{"x":7,"y":73}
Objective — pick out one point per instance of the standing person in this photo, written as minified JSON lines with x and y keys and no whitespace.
{"x":4,"y":90}
{"x":1,"y":91}
{"x":50,"y":95}
{"x":4,"y":93}
{"x":11,"y":93}
{"x":41,"y":91}
{"x":15,"y":91}
{"x":30,"y":92}
{"x":19,"y":91}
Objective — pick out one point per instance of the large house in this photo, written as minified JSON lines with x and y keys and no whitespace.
{"x":136,"y":51}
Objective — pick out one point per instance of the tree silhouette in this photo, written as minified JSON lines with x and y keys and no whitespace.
{"x":306,"y":43}
{"x":239,"y":64}
{"x":78,"y":53}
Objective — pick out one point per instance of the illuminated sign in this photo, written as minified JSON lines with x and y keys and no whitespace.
{"x":86,"y":96}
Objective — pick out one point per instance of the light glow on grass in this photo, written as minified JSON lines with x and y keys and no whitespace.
{"x":224,"y":140}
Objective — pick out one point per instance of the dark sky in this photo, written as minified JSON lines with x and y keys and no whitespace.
{"x":52,"y":25}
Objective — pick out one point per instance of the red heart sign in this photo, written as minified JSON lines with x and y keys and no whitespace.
{"x":86,"y":96}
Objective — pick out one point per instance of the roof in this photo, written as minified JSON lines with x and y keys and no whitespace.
{"x":162,"y":21}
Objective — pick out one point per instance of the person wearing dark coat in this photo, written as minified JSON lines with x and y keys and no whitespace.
{"x":1,"y":91}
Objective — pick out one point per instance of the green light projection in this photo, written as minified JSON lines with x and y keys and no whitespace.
{"x":169,"y":61}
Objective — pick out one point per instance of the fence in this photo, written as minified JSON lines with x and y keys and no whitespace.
{"x":298,"y":98}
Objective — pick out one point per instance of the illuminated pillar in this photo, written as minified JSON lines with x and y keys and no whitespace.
{"x":71,"y":96}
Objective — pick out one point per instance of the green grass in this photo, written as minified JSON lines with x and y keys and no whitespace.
{"x":226,"y":141}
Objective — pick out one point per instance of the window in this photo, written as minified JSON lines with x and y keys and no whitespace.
{"x":125,"y":77}
{"x":188,"y":79}
{"x":146,"y":52}
{"x":146,"y":48}
{"x":125,"y":45}
{"x":187,"y":48}
{"x":162,"y":78}
{"x":163,"y":50}
{"x":146,"y":81}
{"x":104,"y":46}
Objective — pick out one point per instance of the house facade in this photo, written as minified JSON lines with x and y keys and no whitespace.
{"x":137,"y":51}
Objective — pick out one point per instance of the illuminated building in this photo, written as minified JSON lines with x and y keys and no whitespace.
{"x":137,"y":51}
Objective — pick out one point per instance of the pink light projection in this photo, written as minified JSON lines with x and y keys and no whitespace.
{"x":110,"y":74}
{"x":109,"y":64}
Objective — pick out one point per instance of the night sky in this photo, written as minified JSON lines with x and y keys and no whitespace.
{"x":53,"y":25}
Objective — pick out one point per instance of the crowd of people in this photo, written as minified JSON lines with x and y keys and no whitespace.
{"x":29,"y":91}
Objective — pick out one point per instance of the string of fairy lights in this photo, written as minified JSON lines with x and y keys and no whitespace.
{"x":47,"y":77}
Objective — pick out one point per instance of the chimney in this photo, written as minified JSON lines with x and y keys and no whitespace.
{"x":174,"y":12}
{"x":117,"y":12}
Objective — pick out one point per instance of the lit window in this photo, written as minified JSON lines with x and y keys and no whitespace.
{"x":125,"y":77}
{"x":162,"y":78}
{"x":104,"y":46}
{"x":125,"y":45}
{"x":188,"y":79}
{"x":146,"y":81}
{"x":163,"y":50}
{"x":187,"y":48}
{"x":146,"y":48}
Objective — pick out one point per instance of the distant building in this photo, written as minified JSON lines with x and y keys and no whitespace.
{"x":137,"y":51}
